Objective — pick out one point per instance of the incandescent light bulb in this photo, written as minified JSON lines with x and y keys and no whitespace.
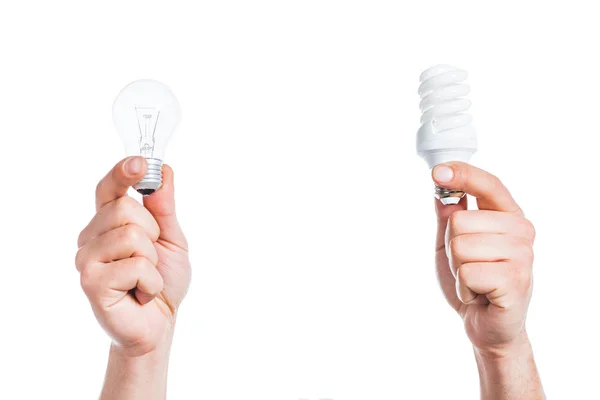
{"x":145,"y":114}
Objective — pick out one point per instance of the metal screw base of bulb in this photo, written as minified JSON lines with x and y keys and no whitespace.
{"x":152,"y":181}
{"x":448,"y":196}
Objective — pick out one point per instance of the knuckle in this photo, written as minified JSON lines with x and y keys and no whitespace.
{"x":525,"y":252}
{"x":495,"y":182}
{"x":127,"y":203}
{"x":155,"y":234}
{"x":457,"y":247}
{"x":123,"y":208}
{"x":141,"y":264}
{"x":87,"y":279}
{"x":529,"y":229}
{"x":463,"y":273}
{"x":153,"y":280}
{"x":528,"y":254}
{"x":457,"y":220}
{"x":80,"y":259}
{"x":80,"y":239}
{"x":131,"y":233}
{"x":523,"y":276}
{"x":527,"y":279}
{"x":129,"y":211}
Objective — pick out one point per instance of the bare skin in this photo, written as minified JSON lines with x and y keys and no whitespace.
{"x":135,"y":271}
{"x":484,"y":263}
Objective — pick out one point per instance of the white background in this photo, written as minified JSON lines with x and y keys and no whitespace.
{"x":310,"y":216}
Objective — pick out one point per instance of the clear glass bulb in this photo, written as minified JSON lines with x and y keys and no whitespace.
{"x":146,"y":113}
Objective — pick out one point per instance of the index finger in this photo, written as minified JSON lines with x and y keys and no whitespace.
{"x":123,"y":175}
{"x":491,"y":194}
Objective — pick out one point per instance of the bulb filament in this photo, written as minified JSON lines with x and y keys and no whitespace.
{"x":147,"y":120}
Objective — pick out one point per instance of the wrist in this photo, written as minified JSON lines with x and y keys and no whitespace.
{"x":151,"y":362}
{"x":517,"y":348}
{"x":132,"y":375}
{"x":509,"y":372}
{"x":131,"y":356}
{"x":153,"y":343}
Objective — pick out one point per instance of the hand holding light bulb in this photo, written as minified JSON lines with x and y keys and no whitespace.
{"x":484,"y":263}
{"x":133,"y":258}
{"x":484,"y":257}
{"x":135,"y":271}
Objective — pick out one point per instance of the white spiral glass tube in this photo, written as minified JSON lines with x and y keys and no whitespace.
{"x":446,"y":133}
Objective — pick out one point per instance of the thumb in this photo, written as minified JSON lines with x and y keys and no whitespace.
{"x":161,"y":205}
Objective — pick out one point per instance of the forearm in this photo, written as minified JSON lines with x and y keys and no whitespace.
{"x":130,"y":377}
{"x":510,"y":374}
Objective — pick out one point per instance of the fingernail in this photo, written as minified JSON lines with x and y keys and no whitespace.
{"x":133,"y":166}
{"x":442,"y":173}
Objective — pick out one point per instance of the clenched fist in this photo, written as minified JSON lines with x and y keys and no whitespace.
{"x":133,"y":260}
